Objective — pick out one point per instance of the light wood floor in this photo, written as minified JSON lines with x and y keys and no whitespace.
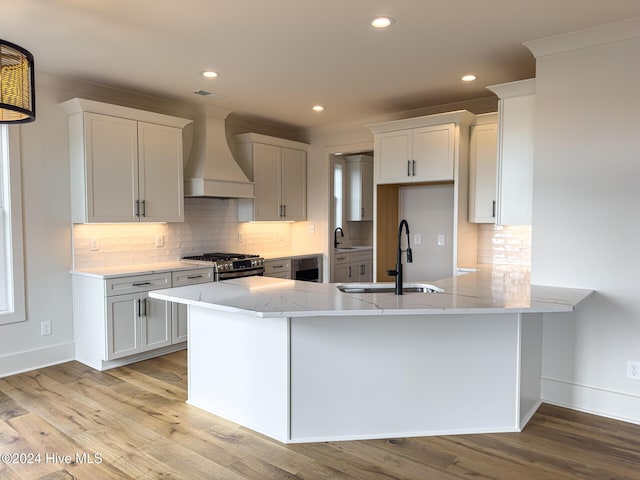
{"x":132,"y":423}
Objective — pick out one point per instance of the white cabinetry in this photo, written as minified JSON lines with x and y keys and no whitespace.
{"x":483,"y":156}
{"x":516,"y":110}
{"x":424,"y":154}
{"x":360,"y":174}
{"x":356,"y":266}
{"x":179,"y":310}
{"x":115,"y":321}
{"x":278,"y":169}
{"x":278,"y":268}
{"x":126,"y":164}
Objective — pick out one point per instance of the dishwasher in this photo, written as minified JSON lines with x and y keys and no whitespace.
{"x":307,"y":269}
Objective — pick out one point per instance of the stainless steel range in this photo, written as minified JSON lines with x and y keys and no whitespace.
{"x":229,"y":265}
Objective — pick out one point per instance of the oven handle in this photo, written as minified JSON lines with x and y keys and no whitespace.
{"x":241,"y":273}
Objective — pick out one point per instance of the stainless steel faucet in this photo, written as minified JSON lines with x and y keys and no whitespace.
{"x":397,"y":273}
{"x":335,"y":237}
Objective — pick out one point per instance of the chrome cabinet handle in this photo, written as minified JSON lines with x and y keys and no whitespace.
{"x":140,"y":284}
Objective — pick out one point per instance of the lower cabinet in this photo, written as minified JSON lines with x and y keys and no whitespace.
{"x":278,"y":268}
{"x":116,"y":323}
{"x":352,"y":267}
{"x":136,"y":323}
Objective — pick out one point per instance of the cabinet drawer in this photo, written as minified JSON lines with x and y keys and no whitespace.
{"x":191,"y":277}
{"x":366,"y":256}
{"x":138,"y":283}
{"x":341,"y":258}
{"x":277,"y":266}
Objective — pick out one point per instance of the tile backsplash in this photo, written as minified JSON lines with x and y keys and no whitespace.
{"x":504,"y":245}
{"x":211,"y":224}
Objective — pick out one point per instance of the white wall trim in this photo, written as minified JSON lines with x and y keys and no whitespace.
{"x":33,"y":359}
{"x":594,"y":400}
{"x":589,"y":37}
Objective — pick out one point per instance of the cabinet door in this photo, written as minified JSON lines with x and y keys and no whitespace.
{"x":483,"y":157}
{"x":155,"y":323}
{"x":266,"y":177}
{"x":111,"y":156}
{"x":394,"y":152}
{"x":364,"y":271}
{"x":360,"y":191}
{"x":160,"y":169}
{"x":515,"y":169}
{"x":179,"y":316}
{"x":294,"y":184}
{"x":341,"y":273}
{"x":123,"y":332}
{"x":433,"y":152}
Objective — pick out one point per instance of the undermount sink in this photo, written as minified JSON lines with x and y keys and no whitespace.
{"x":387,"y":288}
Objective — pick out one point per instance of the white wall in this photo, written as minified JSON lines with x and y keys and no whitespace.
{"x":47,"y":241}
{"x":47,"y":223}
{"x":586,"y":229}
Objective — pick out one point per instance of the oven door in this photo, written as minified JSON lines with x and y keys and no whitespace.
{"x":247,"y":272}
{"x":306,"y":269}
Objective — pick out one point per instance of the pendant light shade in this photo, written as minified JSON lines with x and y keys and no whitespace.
{"x":17,"y":95}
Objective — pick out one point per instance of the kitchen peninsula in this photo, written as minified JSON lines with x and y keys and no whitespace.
{"x":305,"y":362}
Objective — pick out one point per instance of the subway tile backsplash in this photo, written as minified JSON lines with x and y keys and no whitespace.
{"x":211,"y":224}
{"x":504,"y":245}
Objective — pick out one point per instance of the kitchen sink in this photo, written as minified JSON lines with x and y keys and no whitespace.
{"x":387,"y":288}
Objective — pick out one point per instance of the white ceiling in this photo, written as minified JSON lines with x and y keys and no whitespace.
{"x":277,"y":58}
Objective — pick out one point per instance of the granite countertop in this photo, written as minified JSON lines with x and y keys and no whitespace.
{"x":130,"y":270}
{"x":489,"y":290}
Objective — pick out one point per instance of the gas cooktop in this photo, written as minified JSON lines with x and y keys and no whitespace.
{"x":220,"y":257}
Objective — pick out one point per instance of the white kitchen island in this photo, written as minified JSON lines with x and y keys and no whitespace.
{"x":304,"y":362}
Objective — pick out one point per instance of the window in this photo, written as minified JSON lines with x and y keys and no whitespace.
{"x":12,"y":306}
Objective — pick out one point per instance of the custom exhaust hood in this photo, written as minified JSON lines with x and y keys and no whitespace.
{"x":211,"y":170}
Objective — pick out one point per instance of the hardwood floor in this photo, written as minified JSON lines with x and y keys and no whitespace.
{"x":132,"y":423}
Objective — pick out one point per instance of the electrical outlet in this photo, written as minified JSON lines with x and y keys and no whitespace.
{"x":159,"y":241}
{"x":417,"y":239}
{"x":241,"y":237}
{"x":311,"y":228}
{"x":633,"y":370}
{"x":441,"y":240}
{"x":94,"y":245}
{"x":45,"y":328}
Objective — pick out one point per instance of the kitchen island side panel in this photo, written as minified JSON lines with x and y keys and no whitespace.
{"x":238,"y":369}
{"x":396,"y":376}
{"x":530,"y":365}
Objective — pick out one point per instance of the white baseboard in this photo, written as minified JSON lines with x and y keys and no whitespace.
{"x":605,"y":403}
{"x":33,"y":359}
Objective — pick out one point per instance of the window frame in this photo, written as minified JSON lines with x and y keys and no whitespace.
{"x":11,"y":203}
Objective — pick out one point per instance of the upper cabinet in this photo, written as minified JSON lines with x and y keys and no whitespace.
{"x":126,"y":164}
{"x":278,"y":168}
{"x":360,"y":175}
{"x":483,"y":157}
{"x":409,"y":152}
{"x":516,"y":110}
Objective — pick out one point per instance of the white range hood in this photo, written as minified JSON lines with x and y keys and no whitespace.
{"x":211,"y":170}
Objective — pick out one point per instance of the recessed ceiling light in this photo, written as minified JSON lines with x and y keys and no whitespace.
{"x":318,"y":108}
{"x":382,"y":22}
{"x":468,"y":78}
{"x":209,"y":74}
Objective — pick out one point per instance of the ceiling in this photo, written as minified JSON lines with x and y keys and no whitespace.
{"x":278,"y":58}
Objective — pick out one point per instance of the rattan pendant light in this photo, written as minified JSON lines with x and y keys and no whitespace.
{"x":17,"y":95}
